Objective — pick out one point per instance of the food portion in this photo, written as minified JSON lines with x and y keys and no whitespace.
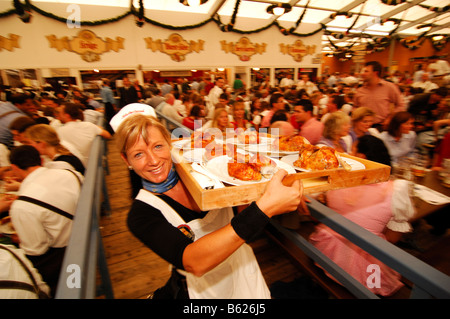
{"x":201,"y":139}
{"x":214,"y":149}
{"x":248,"y":137}
{"x":248,"y":168}
{"x":313,"y":158}
{"x":289,"y":143}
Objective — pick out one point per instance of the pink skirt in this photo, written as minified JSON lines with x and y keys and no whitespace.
{"x":369,"y":271}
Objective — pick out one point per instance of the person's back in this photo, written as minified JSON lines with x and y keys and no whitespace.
{"x":43,"y":212}
{"x":81,"y":135}
{"x":16,"y":269}
{"x":57,"y":187}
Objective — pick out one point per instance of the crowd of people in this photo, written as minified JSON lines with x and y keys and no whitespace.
{"x":45,"y":139}
{"x":335,"y":110}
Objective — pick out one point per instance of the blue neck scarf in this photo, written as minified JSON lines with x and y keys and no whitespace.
{"x":163,"y":187}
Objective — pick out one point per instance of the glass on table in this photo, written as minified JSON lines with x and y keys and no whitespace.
{"x":419,"y":165}
{"x":444,"y":174}
{"x":402,"y":168}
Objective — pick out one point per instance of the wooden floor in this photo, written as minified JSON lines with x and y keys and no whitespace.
{"x":134,"y":269}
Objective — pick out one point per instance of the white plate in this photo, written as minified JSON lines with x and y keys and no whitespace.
{"x":355,"y":165}
{"x":194,"y":155}
{"x":262,"y":141}
{"x":219,"y":167}
{"x":267,"y":150}
{"x":182,"y":144}
{"x":185,"y":144}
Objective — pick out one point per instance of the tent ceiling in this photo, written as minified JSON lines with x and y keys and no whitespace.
{"x":364,"y":22}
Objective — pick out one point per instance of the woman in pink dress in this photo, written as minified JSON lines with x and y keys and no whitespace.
{"x":383,"y":209}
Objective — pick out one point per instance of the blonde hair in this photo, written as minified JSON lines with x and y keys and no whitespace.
{"x":217,"y":113}
{"x":361,"y":112}
{"x":334,"y":123}
{"x":135,"y":126}
{"x":46,"y":133}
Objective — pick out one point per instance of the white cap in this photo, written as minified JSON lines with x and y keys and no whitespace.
{"x":131,"y":109}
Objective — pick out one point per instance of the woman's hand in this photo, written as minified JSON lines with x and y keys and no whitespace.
{"x":278,"y":198}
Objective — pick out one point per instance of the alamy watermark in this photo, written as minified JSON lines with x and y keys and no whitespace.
{"x":74,"y":279}
{"x":374,"y":279}
{"x":74,"y":19}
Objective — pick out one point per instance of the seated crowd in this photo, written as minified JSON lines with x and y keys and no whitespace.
{"x":45,"y":149}
{"x":45,"y":139}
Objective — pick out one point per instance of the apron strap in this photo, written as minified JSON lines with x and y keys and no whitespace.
{"x":169,"y":213}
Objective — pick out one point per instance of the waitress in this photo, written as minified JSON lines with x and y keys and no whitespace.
{"x":207,"y":249}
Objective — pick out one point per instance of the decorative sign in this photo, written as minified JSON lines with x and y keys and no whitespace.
{"x":244,"y":48}
{"x":59,"y":72}
{"x":359,"y":53}
{"x":175,"y":46}
{"x":317,"y":59}
{"x":298,"y":50}
{"x":175,"y":73}
{"x":9,"y":43}
{"x":86,"y":44}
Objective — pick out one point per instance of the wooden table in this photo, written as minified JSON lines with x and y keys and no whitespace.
{"x":430,"y":180}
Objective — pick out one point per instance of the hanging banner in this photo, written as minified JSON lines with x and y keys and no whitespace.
{"x":175,"y":46}
{"x":86,"y":44}
{"x":297,"y":50}
{"x":9,"y":43}
{"x":244,"y":48}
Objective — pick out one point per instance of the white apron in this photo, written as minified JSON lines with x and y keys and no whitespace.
{"x":237,"y":277}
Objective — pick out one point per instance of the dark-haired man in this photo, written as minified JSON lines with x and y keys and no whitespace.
{"x":310,"y":127}
{"x":78,"y":132}
{"x":20,"y":104}
{"x":382,"y":97}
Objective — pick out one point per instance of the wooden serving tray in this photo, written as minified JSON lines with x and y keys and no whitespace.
{"x":313,"y":182}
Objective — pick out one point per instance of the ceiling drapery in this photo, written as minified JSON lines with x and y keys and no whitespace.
{"x":436,"y":18}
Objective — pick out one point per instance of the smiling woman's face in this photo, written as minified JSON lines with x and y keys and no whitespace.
{"x":151,"y":161}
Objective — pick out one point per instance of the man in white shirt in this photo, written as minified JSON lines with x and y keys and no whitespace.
{"x":417,"y":76}
{"x":169,"y":110}
{"x":287,"y":81}
{"x":425,"y":84}
{"x":16,"y":269}
{"x":350,"y":79}
{"x":43,"y":212}
{"x":77,"y":132}
{"x":307,"y":85}
{"x":213,"y":97}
